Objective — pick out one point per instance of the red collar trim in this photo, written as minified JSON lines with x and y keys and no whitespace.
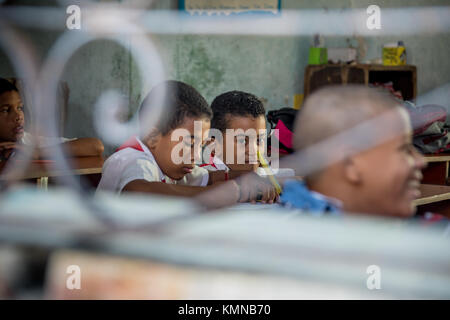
{"x":131,"y":143}
{"x":134,"y":144}
{"x":211,"y":162}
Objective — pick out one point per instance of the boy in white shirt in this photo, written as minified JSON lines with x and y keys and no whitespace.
{"x":146,"y":163}
{"x":237,"y":110}
{"x":134,"y":162}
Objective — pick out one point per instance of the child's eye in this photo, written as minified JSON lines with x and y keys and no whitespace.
{"x":21,"y":108}
{"x":4,"y":110}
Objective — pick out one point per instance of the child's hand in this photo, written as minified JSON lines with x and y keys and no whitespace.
{"x":6,"y":149}
{"x":253,"y":188}
{"x":223,"y":194}
{"x":7,"y":145}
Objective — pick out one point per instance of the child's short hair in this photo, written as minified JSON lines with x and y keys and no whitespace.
{"x":234,"y":103}
{"x":6,"y":86}
{"x":334,"y":109}
{"x":184,"y":102}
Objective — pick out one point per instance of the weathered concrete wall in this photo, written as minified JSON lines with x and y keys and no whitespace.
{"x":270,"y":67}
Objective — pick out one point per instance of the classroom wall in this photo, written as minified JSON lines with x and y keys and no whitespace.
{"x":270,"y":67}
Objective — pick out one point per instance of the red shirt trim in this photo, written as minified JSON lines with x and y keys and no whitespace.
{"x":131,"y":143}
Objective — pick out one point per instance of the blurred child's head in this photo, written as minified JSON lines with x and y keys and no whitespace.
{"x":366,"y":137}
{"x":12,"y":117}
{"x":237,"y":110}
{"x":185,"y":119}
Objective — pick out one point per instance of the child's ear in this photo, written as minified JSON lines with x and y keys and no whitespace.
{"x":352,"y":172}
{"x":152,"y":138}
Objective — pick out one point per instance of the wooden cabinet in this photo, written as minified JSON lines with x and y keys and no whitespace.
{"x":404,"y":78}
{"x":434,"y":199}
{"x":437,"y":170}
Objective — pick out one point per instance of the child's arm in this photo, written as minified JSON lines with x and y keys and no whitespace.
{"x":6,"y":149}
{"x":252,"y":186}
{"x":163,"y":188}
{"x":220,"y":175}
{"x":82,"y":147}
{"x":10,"y":149}
{"x":217,"y":196}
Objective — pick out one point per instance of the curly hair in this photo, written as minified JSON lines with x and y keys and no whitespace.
{"x":184,"y":100}
{"x":6,"y":86}
{"x":234,"y":103}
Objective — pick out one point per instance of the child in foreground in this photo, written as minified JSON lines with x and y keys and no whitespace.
{"x":354,"y":146}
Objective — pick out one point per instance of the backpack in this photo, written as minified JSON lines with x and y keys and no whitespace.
{"x":283,"y":120}
{"x":431,"y":124}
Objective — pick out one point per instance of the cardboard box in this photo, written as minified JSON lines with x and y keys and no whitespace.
{"x":394,"y":56}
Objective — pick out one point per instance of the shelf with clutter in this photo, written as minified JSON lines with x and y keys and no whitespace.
{"x":328,"y":66}
{"x":400,"y":80}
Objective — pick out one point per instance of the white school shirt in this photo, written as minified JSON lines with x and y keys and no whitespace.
{"x":215,"y":164}
{"x":43,"y":142}
{"x":129,"y":164}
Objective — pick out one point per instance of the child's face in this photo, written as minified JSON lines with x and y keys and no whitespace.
{"x":391,"y":174}
{"x":12,"y":118}
{"x":165,"y":150}
{"x":244,"y":143}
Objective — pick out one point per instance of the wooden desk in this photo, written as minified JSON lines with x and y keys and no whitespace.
{"x":42,"y":171}
{"x":435,"y":198}
{"x":437,"y":170}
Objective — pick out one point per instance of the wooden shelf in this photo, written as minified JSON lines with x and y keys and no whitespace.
{"x":432,"y":193}
{"x":434,"y":199}
{"x":404,"y":78}
{"x":437,"y":170}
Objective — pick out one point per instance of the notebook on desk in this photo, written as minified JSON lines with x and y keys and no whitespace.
{"x":279,"y":173}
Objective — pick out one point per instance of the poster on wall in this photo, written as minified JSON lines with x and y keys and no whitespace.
{"x":229,"y":7}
